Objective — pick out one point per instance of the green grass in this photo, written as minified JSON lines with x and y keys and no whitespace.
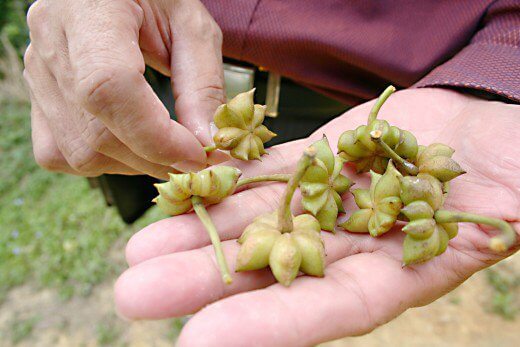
{"x":54,"y":229}
{"x":21,"y":329}
{"x":505,"y":302}
{"x":107,"y":333}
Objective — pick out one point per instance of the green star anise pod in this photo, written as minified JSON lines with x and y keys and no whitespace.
{"x":436,"y":160}
{"x":425,"y":238}
{"x":240,"y":127}
{"x":322,"y":185}
{"x":379,"y":206}
{"x":212,"y":185}
{"x":357,"y":146}
{"x":263,"y":244}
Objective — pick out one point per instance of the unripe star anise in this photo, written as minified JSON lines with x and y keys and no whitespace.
{"x":436,"y":160}
{"x":263,"y":244}
{"x":379,"y":206}
{"x":425,"y":237}
{"x":285,"y":243}
{"x":240,"y":127}
{"x":212,"y":185}
{"x":357,"y":146}
{"x":323,"y":184}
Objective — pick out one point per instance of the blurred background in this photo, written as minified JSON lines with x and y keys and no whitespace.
{"x":61,"y":249}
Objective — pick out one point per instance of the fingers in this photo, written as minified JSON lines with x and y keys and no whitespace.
{"x":102,"y":67}
{"x":101,"y":140}
{"x":108,"y":67}
{"x":46,"y":151}
{"x":51,"y":105}
{"x":357,"y":294}
{"x":181,"y":283}
{"x":196,"y":67}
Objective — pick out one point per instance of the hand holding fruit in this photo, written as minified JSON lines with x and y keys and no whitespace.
{"x":364,"y":284}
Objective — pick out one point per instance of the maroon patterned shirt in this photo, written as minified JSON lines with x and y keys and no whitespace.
{"x":352,"y":49}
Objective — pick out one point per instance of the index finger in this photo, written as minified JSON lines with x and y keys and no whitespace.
{"x":108,"y":68}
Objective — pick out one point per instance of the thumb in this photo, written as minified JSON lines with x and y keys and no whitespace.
{"x":196,"y":68}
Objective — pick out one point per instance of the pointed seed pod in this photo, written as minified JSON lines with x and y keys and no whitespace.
{"x":322,"y":184}
{"x":212,"y":185}
{"x":254,"y":252}
{"x":380,"y":205}
{"x":312,"y":251}
{"x":420,"y":229}
{"x":302,"y":246}
{"x":418,"y":210}
{"x":418,"y":251}
{"x":358,"y":221}
{"x":240,"y":127}
{"x":452,"y":229}
{"x":285,"y":259}
{"x":436,"y":161}
{"x":357,"y":146}
{"x":422,"y":187}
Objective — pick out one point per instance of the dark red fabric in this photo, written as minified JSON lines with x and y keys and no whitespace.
{"x":353,"y":49}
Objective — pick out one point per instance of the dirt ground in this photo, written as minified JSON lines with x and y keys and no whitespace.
{"x":461,"y":318}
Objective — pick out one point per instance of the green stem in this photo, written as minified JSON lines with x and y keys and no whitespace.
{"x":410,"y":168}
{"x":204,"y":217}
{"x":285,"y":222}
{"x":210,"y":148}
{"x":264,"y":178}
{"x":380,"y":101}
{"x":499,"y":243}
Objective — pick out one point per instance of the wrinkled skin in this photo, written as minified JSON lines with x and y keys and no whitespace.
{"x":364,"y":285}
{"x":93,"y":112}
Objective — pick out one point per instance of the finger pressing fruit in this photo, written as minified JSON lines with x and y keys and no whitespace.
{"x":285,"y":243}
{"x":379,"y":206}
{"x":240,"y":127}
{"x":212,"y":185}
{"x":322,"y":185}
{"x":357,"y":146}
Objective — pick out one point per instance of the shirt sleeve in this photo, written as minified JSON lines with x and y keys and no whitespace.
{"x":490,"y":63}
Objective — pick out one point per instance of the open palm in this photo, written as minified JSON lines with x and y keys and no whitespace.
{"x":173,"y":271}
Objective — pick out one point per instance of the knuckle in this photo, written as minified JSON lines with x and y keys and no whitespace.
{"x":217,"y":33}
{"x":49,"y":159}
{"x":28,"y":57}
{"x":98,"y":90}
{"x":95,"y":90}
{"x":28,"y":62}
{"x":86,"y":161}
{"x":36,"y":15}
{"x":97,"y":136}
{"x":213,"y":92}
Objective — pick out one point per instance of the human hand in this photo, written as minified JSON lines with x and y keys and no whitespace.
{"x":173,"y":270}
{"x":93,"y":111}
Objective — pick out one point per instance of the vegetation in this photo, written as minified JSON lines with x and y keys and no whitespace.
{"x":12,"y":22}
{"x":21,"y":329}
{"x":505,"y":303}
{"x":54,"y":228}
